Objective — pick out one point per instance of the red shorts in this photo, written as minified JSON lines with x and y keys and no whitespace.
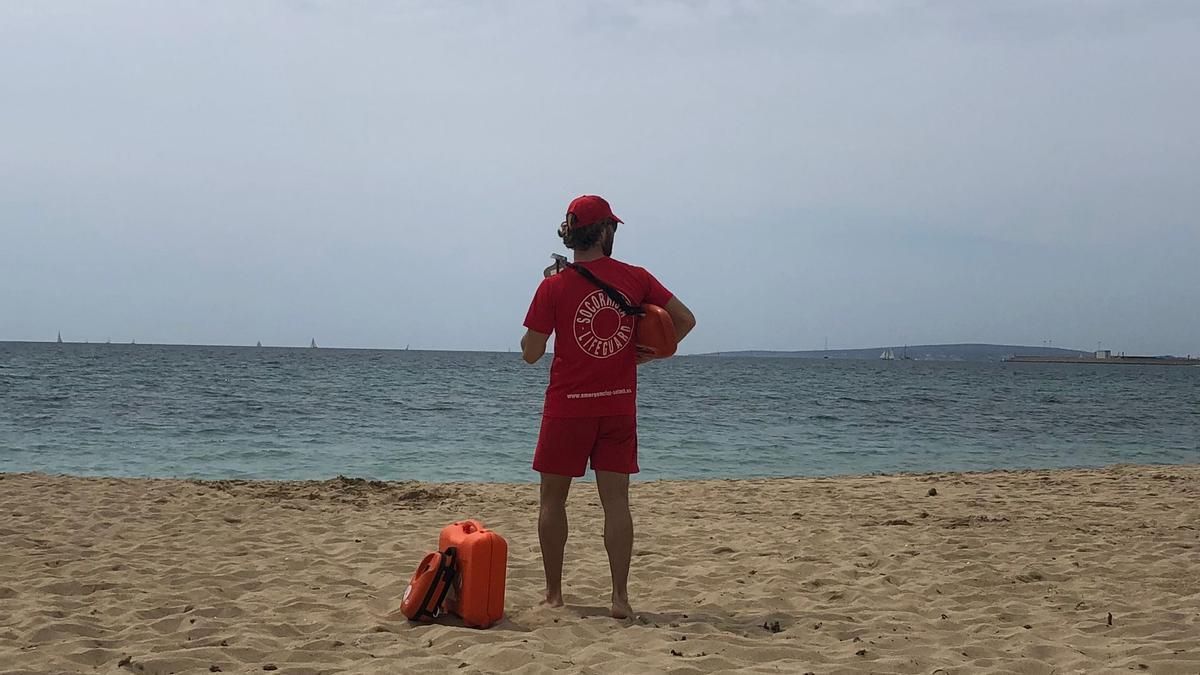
{"x":565,"y":444}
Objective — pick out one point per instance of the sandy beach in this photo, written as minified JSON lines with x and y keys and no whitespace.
{"x":1024,"y":572}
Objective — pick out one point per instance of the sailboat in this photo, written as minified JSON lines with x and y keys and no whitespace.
{"x":313,"y":344}
{"x":259,"y":344}
{"x":60,"y":337}
{"x":888,"y":355}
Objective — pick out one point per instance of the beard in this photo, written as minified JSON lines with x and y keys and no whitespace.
{"x":607,"y":244}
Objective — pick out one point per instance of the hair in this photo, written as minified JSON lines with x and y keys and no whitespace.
{"x":582,"y":238}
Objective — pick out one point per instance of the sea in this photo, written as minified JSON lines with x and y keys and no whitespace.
{"x":287,"y":413}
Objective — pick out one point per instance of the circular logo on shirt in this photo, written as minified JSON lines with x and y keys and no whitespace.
{"x":601,"y":330}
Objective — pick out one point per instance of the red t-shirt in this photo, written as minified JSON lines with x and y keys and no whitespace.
{"x":594,"y":372}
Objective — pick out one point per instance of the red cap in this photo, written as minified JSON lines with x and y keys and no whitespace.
{"x":590,"y":209}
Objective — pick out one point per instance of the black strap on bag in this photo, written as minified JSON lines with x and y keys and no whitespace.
{"x":445,"y":575}
{"x":612,"y":293}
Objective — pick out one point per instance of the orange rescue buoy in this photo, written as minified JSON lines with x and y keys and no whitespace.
{"x":656,"y":332}
{"x":482,"y":564}
{"x":429,"y":586}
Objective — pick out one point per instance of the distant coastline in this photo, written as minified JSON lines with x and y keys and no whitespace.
{"x":958,"y":352}
{"x":1111,"y":360}
{"x":967,"y":352}
{"x":940,"y":352}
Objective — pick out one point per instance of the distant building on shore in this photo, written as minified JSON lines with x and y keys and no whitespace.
{"x":1105,"y":357}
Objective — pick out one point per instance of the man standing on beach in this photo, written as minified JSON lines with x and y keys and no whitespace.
{"x":590,"y":410}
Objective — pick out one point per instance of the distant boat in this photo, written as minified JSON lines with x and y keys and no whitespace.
{"x":313,"y":344}
{"x":60,"y":337}
{"x":888,"y":355}
{"x":259,"y":344}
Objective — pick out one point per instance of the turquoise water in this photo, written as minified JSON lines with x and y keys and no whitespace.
{"x":140,"y":410}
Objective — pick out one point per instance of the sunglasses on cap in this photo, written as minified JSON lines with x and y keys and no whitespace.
{"x":566,"y":224}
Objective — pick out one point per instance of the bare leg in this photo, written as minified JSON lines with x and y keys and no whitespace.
{"x":552,"y":533}
{"x":618,"y":536}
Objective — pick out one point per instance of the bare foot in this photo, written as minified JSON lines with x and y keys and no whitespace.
{"x":621,"y":608}
{"x":552,"y":600}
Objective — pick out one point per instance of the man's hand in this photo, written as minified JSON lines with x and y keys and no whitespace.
{"x":644,"y":355}
{"x":533,"y":345}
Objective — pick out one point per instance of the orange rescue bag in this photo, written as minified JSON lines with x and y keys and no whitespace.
{"x":482,"y":564}
{"x":429,"y":586}
{"x":656,"y":331}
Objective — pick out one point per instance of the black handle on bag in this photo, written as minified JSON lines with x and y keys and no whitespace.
{"x":446,"y":573}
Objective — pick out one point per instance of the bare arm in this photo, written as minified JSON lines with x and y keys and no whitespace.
{"x":533,"y":345}
{"x":682,"y":317}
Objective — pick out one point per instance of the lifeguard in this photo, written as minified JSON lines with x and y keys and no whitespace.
{"x":608,"y":317}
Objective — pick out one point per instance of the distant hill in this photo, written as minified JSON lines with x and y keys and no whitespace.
{"x":959,"y":352}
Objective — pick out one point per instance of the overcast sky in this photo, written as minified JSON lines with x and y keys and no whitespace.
{"x":382,"y":174}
